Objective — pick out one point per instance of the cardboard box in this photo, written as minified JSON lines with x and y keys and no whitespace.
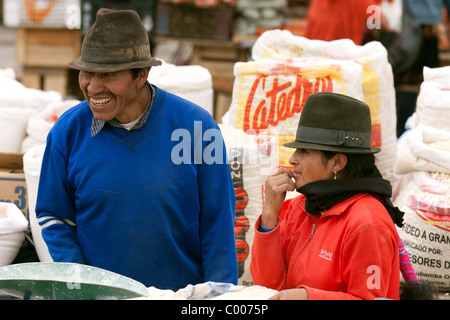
{"x":13,"y":187}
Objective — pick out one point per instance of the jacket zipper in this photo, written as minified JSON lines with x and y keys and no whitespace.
{"x":312,"y":231}
{"x":300,"y":253}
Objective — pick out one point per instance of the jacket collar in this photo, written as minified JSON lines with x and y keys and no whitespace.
{"x":337,"y":209}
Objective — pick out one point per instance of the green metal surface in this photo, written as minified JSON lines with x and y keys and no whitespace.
{"x":66,"y":281}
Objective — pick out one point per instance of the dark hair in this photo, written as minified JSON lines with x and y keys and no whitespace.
{"x":135,"y":72}
{"x":358,"y":165}
{"x":419,"y":291}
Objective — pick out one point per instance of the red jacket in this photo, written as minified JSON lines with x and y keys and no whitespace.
{"x":350,"y":252}
{"x":339,"y":19}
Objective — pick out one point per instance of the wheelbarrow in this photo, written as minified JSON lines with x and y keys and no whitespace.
{"x":66,"y":281}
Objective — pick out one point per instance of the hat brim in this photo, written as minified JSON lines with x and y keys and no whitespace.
{"x":322,"y":147}
{"x":82,"y":65}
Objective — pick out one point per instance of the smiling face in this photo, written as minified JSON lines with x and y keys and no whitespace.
{"x":115,"y":95}
{"x":311,"y":165}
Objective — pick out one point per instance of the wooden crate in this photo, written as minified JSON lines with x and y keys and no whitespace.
{"x":56,"y":79}
{"x":48,"y":47}
{"x":187,"y":20}
{"x":219,"y":59}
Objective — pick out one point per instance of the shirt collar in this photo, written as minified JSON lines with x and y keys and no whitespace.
{"x":97,"y":125}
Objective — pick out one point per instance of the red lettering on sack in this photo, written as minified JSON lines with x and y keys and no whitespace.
{"x":242,"y":250}
{"x":278,"y":102}
{"x":241,"y":198}
{"x":241,"y":224}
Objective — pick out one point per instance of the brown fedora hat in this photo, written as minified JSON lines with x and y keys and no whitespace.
{"x":334,"y":122}
{"x":116,"y":41}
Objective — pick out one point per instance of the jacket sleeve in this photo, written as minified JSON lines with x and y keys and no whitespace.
{"x":55,"y":209}
{"x":267,"y":266}
{"x":370,"y":267}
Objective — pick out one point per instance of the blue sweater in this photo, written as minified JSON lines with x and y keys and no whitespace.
{"x":120,"y":200}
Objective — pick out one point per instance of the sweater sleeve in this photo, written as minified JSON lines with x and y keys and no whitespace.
{"x":219,"y":257}
{"x":55,"y":210}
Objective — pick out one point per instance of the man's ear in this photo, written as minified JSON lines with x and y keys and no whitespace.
{"x":143,"y":75}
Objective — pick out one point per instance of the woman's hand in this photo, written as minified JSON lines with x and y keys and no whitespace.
{"x":276,"y":187}
{"x":291,"y":294}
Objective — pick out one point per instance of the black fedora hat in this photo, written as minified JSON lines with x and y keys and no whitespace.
{"x":334,"y":122}
{"x":116,"y":41}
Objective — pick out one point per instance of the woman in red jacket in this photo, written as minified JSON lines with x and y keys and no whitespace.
{"x":337,"y":240}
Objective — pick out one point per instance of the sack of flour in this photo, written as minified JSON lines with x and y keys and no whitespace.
{"x":251,"y":159}
{"x":270,"y":91}
{"x":425,"y":199}
{"x":423,"y":148}
{"x":427,"y":239}
{"x":39,"y":124}
{"x":13,"y":124}
{"x":192,"y":82}
{"x":15,"y":94}
{"x":12,"y":232}
{"x":433,"y":101}
{"x":32,"y":161}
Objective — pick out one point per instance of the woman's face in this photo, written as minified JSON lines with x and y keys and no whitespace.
{"x":310,"y":165}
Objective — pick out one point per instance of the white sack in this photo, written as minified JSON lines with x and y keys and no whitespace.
{"x":13,"y":124}
{"x":423,"y":149}
{"x":433,"y":102}
{"x":39,"y":125}
{"x":193,"y":83}
{"x":8,"y":72}
{"x":427,"y":241}
{"x":32,"y":161}
{"x":251,"y":161}
{"x":424,"y":197}
{"x":13,"y":93}
{"x":424,"y":191}
{"x":292,"y":64}
{"x":211,"y":291}
{"x":12,"y":232}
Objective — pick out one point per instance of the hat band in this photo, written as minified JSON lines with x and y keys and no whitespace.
{"x":115,"y":55}
{"x":332,"y":137}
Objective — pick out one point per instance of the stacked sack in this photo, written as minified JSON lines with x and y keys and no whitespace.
{"x":193,"y":83}
{"x":17,"y":105}
{"x":13,"y":225}
{"x":423,"y":187}
{"x":251,"y":159}
{"x":26,"y":114}
{"x":270,"y":91}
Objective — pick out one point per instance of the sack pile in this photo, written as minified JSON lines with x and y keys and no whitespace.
{"x":423,"y":187}
{"x":251,"y":159}
{"x":13,"y":225}
{"x":193,"y":83}
{"x":270,"y":91}
{"x":24,"y":115}
{"x":32,"y":161}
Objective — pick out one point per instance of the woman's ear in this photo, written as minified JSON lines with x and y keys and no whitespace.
{"x":340,"y":161}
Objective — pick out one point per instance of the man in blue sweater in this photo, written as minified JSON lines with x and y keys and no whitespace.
{"x":135,"y":179}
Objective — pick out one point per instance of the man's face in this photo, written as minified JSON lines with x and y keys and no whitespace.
{"x":111,"y":95}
